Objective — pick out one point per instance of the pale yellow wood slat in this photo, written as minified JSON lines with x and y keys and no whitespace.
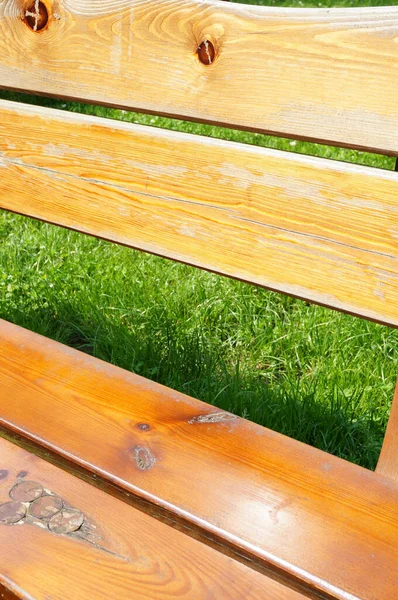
{"x":320,"y":74}
{"x":321,"y":230}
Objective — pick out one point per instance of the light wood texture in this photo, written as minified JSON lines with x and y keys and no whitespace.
{"x":317,"y":74}
{"x":388,"y":461}
{"x":127,"y":554}
{"x":313,"y":228}
{"x":283,"y":505}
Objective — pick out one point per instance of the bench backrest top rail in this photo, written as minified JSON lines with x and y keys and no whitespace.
{"x":318,"y":74}
{"x":313,"y":228}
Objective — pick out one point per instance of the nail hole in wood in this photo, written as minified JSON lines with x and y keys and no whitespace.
{"x":36,"y":16}
{"x":206,"y":52}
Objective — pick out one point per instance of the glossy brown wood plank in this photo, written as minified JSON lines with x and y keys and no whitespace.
{"x":388,"y":461}
{"x":280,"y":503}
{"x":325,"y":75}
{"x":95,"y":546}
{"x":317,"y":229}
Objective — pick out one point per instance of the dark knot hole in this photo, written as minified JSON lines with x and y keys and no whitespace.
{"x":36,"y":16}
{"x":206,"y":52}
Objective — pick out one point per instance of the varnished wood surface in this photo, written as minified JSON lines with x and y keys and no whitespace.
{"x":388,"y":461}
{"x":284,"y":505}
{"x":321,"y":230}
{"x":117,"y":552}
{"x":317,"y":74}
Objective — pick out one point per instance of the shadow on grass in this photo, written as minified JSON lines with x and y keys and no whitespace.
{"x":192,"y":366}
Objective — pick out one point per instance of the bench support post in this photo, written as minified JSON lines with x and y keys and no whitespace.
{"x":388,"y":460}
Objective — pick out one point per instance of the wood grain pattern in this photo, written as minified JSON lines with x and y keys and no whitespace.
{"x":283,"y":505}
{"x":388,"y":460}
{"x":312,"y":74}
{"x":313,"y":228}
{"x":128,"y":555}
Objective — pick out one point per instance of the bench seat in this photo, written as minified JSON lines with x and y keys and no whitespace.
{"x":285,"y":508}
{"x":117,"y":552}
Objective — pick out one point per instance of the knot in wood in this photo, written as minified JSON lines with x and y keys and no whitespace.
{"x":206,"y":52}
{"x":36,"y":16}
{"x":143,"y":458}
{"x":144,"y":426}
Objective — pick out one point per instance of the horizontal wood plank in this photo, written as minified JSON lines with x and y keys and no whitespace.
{"x":388,"y":461}
{"x":74,"y":541}
{"x":316,"y":74}
{"x":317,"y":229}
{"x":281,"y":504}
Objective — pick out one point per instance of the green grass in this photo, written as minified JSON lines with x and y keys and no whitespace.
{"x":314,"y":374}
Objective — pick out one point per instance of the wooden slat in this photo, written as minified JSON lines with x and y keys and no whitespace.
{"x":316,"y":74}
{"x":313,"y":228}
{"x":118,"y":552}
{"x":388,"y":461}
{"x":283,"y":505}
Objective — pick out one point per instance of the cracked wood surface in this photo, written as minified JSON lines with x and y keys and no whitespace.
{"x":129,"y":555}
{"x":318,"y":229}
{"x":320,"y":74}
{"x":281,"y":504}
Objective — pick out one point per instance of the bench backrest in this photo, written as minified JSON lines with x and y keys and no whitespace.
{"x":321,"y":230}
{"x":317,"y":229}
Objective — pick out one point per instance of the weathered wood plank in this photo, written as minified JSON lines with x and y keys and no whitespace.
{"x":388,"y":461}
{"x":314,"y":74}
{"x":283,"y":505}
{"x":313,"y":228}
{"x":82,"y":543}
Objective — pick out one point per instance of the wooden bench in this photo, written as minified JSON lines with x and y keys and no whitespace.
{"x":112,"y":486}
